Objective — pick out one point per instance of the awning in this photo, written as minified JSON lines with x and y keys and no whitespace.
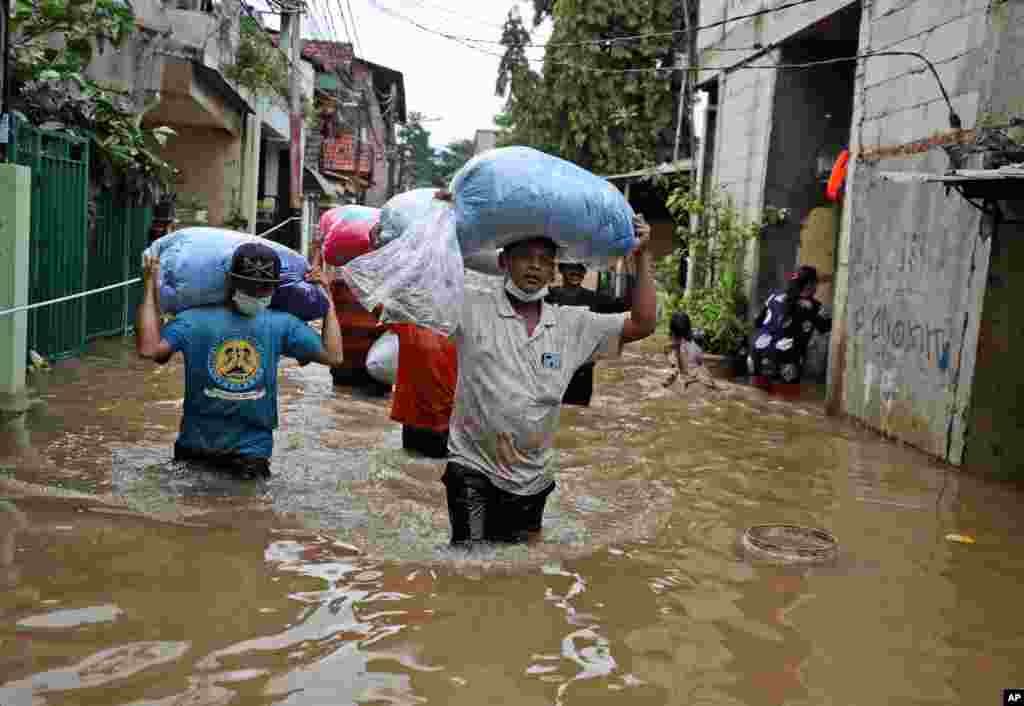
{"x":215,"y":82}
{"x":350,"y":181}
{"x":315,"y":181}
{"x":683,"y":166}
{"x":1004,"y":183}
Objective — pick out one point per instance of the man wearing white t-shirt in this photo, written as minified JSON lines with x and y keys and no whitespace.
{"x":516,"y":356}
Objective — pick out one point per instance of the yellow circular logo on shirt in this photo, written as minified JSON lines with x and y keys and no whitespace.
{"x":236,"y":363}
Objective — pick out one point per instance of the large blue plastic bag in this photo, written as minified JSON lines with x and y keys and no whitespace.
{"x":511,"y":193}
{"x":194,"y":262}
{"x":417,"y":278}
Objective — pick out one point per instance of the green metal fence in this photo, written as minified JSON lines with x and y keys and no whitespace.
{"x":59,"y":224}
{"x":121,"y":234}
{"x":64,"y":257}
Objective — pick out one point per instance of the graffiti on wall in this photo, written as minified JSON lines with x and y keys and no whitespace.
{"x":889,"y":333}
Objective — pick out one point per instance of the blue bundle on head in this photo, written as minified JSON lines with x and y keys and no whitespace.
{"x":194,"y":263}
{"x":512,"y":193}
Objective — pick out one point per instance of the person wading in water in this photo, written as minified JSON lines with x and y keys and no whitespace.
{"x":573,"y":293}
{"x":516,"y":355}
{"x":231,"y":355}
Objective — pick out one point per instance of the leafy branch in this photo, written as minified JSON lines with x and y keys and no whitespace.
{"x":53,"y":91}
{"x":609,"y":120}
{"x":714,"y":234}
{"x":259,"y":64}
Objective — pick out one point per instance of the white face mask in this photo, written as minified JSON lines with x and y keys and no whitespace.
{"x":522,"y":296}
{"x":250,"y":305}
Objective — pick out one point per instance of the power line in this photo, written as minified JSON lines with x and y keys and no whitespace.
{"x":954,"y":118}
{"x":473,"y":18}
{"x":344,"y":22}
{"x":328,"y":17}
{"x":606,"y":41}
{"x":355,"y":31}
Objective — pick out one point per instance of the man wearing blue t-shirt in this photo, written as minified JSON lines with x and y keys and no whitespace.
{"x":231,"y":354}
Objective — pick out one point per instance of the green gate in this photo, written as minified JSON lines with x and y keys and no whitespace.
{"x":64,"y":258}
{"x":59,"y":225}
{"x":116,"y":244}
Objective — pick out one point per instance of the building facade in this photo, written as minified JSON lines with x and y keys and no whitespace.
{"x":920,"y":347}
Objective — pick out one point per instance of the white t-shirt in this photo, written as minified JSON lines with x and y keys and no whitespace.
{"x":509,"y":392}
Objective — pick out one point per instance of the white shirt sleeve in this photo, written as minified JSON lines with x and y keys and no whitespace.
{"x":598,"y":335}
{"x":472,"y":300}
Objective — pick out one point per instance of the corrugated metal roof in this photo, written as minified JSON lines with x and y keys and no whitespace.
{"x":959,"y":176}
{"x":683,"y":165}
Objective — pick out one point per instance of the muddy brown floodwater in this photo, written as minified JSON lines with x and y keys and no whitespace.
{"x":128,"y":579}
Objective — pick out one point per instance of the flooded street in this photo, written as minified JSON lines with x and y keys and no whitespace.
{"x":128,"y":579}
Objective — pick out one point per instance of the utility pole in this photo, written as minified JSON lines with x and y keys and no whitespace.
{"x":687,"y":86}
{"x":357,"y":147}
{"x":391,"y":149}
{"x":291,"y":28}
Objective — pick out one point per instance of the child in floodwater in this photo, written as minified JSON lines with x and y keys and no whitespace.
{"x":688,"y":355}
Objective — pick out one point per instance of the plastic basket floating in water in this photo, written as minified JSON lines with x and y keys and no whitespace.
{"x":789,"y":544}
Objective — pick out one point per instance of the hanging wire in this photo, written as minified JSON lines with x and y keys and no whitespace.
{"x":596,"y":41}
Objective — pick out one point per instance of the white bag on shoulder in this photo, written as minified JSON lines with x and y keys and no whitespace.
{"x":382,"y":359}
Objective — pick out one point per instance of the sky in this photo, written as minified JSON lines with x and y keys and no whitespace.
{"x":449,"y":82}
{"x":452,"y":84}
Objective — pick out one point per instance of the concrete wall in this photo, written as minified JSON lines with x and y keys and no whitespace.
{"x":484,"y":140}
{"x":209,"y":161}
{"x":913,"y":287}
{"x":901,"y":101}
{"x":766,"y":30}
{"x":995,"y":442}
{"x":744,"y":129}
{"x":15,"y":216}
{"x":913,"y":264}
{"x":995,"y":436}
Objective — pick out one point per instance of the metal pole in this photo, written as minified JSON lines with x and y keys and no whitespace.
{"x":357,"y":154}
{"x":292,"y":25}
{"x":686,"y":89}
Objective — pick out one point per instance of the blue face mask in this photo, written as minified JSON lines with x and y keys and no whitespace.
{"x":250,"y":305}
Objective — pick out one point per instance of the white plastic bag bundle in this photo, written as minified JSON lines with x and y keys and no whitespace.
{"x":402,"y":210}
{"x":418,"y":278}
{"x":382,"y":359}
{"x":405,"y":209}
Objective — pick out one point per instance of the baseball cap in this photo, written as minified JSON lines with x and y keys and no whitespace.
{"x":257,"y":264}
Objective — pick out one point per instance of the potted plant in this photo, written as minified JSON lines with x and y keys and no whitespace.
{"x":718,"y":312}
{"x":715,"y":236}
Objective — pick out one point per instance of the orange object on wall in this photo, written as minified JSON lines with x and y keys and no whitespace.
{"x":427,"y":373}
{"x":837,"y":179}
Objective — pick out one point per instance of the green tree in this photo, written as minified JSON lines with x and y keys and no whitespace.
{"x":52,"y":43}
{"x":452,"y":157}
{"x":259,"y":64}
{"x":587,"y":105}
{"x":416,"y":139}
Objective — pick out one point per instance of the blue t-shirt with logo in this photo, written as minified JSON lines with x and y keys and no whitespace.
{"x":231,"y":375}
